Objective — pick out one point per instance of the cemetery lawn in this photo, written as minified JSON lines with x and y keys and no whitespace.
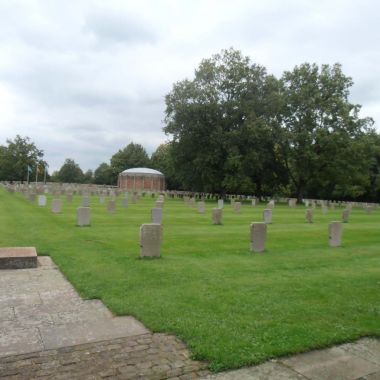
{"x":233,"y":308}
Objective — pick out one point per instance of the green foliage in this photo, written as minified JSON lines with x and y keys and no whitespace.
{"x":15,"y":158}
{"x":103,"y":174}
{"x":70,"y":172}
{"x":132,"y":156}
{"x":209,"y":118}
{"x":162,"y":160}
{"x":236,"y":129}
{"x":320,"y":134}
{"x":233,"y":308}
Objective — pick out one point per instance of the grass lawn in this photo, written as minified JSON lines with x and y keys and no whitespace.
{"x":232,"y":307}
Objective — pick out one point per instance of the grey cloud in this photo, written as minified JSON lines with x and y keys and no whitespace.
{"x":118,"y":27}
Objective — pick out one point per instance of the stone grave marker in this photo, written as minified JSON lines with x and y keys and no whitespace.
{"x":124,"y":202}
{"x":85,"y":201}
{"x":309,"y":215}
{"x":156,"y":215}
{"x":345,"y":215}
{"x":267,"y":216}
{"x":201,"y":207}
{"x":335,"y":234}
{"x":237,"y":207}
{"x":42,"y":200}
{"x":220,"y":203}
{"x":159,"y":204}
{"x":150,"y":239}
{"x":69,"y":197}
{"x":217,"y":214}
{"x":253,"y":202}
{"x":258,"y":236}
{"x":56,"y":206}
{"x":292,"y":202}
{"x":324,"y":210}
{"x":111,"y":206}
{"x":102,"y":199}
{"x":83,"y":216}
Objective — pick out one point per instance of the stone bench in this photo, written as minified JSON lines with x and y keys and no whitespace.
{"x":18,"y":257}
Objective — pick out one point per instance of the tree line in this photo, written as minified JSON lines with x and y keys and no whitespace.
{"x":234,"y":128}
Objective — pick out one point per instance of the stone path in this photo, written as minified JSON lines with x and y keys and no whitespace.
{"x":48,"y":332}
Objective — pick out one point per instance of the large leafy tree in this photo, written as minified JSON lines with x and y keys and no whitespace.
{"x":70,"y":172}
{"x":132,"y":156}
{"x":319,"y":133}
{"x":162,"y":160}
{"x":16,"y":156}
{"x":103,"y":174}
{"x":216,"y":121}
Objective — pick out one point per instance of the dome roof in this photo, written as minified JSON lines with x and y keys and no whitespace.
{"x":141,"y":171}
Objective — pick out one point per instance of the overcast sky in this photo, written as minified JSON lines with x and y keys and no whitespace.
{"x":83,"y":79}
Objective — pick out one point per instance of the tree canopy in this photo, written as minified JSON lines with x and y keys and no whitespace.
{"x":17,"y":156}
{"x":131,"y":156}
{"x":235,"y":128}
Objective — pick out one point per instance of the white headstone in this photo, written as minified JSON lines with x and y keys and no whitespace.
{"x":41,"y":200}
{"x":258,"y":236}
{"x":150,"y":240}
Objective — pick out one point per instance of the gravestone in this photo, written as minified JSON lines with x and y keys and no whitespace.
{"x":156,"y":215}
{"x":69,"y":197}
{"x":309,"y":215}
{"x":192,"y":202}
{"x":217,"y":214}
{"x":335,"y":234}
{"x":124,"y":202}
{"x":42,"y":200}
{"x":201,"y":207}
{"x":258,"y":236}
{"x":345,"y":215}
{"x":220,"y":203}
{"x":111,"y":206}
{"x":254,"y":202}
{"x":324,"y":210}
{"x":267,"y":216}
{"x":159,"y":204}
{"x":85,"y":201}
{"x":292,"y":202}
{"x":83,"y":216}
{"x":101,"y":199}
{"x":270,"y":204}
{"x":150,"y":240}
{"x":237,"y":206}
{"x":56,"y":206}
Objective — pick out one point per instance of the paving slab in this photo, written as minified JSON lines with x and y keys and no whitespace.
{"x":19,"y":341}
{"x":366,"y":348}
{"x":266,"y":371}
{"x":71,"y":334}
{"x":331,"y":364}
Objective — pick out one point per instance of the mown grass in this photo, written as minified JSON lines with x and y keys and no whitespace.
{"x":232,"y":307}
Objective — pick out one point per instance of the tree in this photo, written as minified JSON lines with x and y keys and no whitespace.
{"x":319,"y":132}
{"x":70,"y":172}
{"x":88,"y":176}
{"x":162,"y":160}
{"x":132,"y":156}
{"x":17,"y":156}
{"x":103,"y":174}
{"x":219,"y":125}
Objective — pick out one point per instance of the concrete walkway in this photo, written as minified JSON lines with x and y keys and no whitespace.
{"x":47,"y":331}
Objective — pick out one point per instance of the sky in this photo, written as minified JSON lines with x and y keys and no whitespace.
{"x":83,"y":79}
